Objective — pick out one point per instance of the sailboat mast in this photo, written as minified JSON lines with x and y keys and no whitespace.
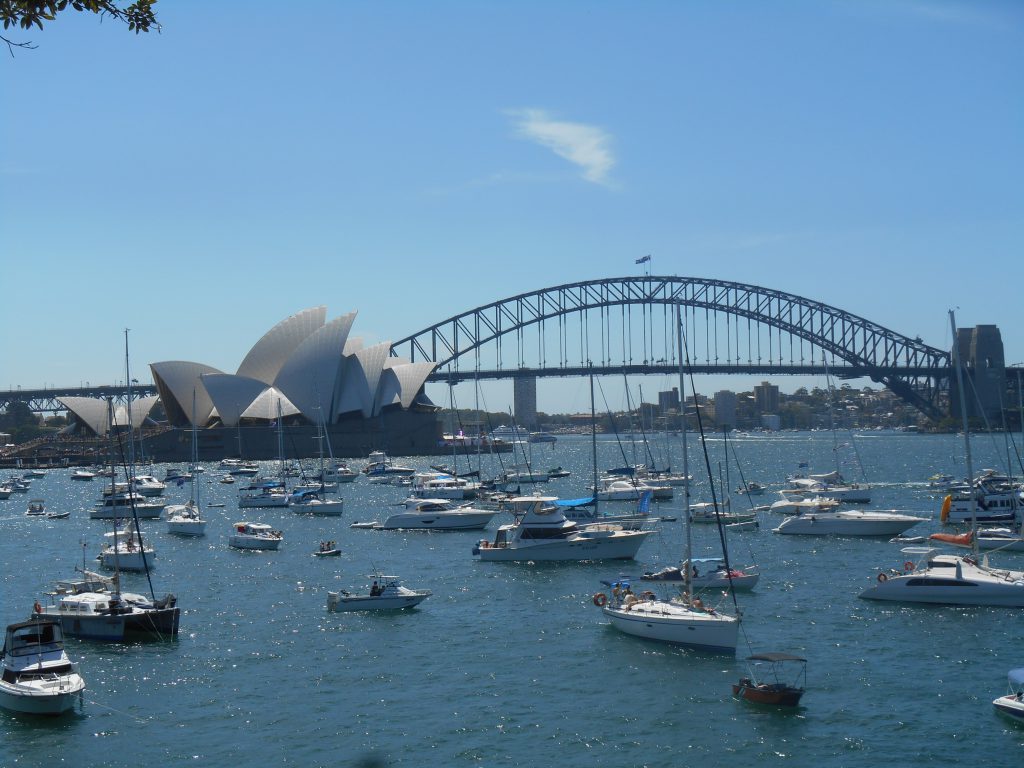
{"x":593,"y":439}
{"x":686,"y":460}
{"x":967,"y":434}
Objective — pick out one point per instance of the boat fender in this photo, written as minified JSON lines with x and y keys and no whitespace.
{"x":908,"y":566}
{"x":648,"y":595}
{"x":36,"y":607}
{"x":600,"y":599}
{"x":882,"y":577}
{"x":946,"y":504}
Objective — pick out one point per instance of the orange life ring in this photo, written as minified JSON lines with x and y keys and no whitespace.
{"x":600,"y":599}
{"x":882,"y":577}
{"x":908,"y":566}
{"x":36,"y":607}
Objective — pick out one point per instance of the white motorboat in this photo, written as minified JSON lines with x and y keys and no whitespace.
{"x":386,"y":594}
{"x":126,"y":551}
{"x":95,"y":608}
{"x":1012,"y":703}
{"x":255,"y":536}
{"x":541,"y":532}
{"x":176,"y":475}
{"x":36,"y":507}
{"x":307,"y":502}
{"x":851,"y":522}
{"x":380,"y":464}
{"x":439,"y":485}
{"x":82,"y":474}
{"x":438,"y":515}
{"x":265,"y":494}
{"x":830,"y":486}
{"x":339,"y":472}
{"x":185,"y":519}
{"x":124,"y":505}
{"x":239,"y":467}
{"x":752,"y":488}
{"x":804,"y":506}
{"x":947,"y":580}
{"x":995,"y":500}
{"x":38,"y":676}
{"x":148,"y":486}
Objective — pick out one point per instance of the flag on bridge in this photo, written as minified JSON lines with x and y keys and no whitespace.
{"x":643,"y":259}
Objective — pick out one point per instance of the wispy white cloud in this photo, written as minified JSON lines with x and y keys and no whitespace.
{"x":585,"y":146}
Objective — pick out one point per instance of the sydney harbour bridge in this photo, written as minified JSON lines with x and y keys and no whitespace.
{"x":628,"y":325}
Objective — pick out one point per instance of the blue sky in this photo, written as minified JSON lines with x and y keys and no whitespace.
{"x":415,"y":160}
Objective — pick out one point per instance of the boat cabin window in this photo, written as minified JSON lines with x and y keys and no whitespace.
{"x":929,"y":582}
{"x":545,"y":533}
{"x":500,"y":539}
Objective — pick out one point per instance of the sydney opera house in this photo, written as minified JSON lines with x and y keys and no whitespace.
{"x":307,"y":373}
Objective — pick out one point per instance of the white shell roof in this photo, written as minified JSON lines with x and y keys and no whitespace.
{"x":90,"y":410}
{"x":181,"y":378}
{"x":268,"y":356}
{"x":94,"y":411}
{"x":313,"y":367}
{"x":309,"y":376}
{"x":400,"y":382}
{"x":232,"y":394}
{"x":269,"y":405}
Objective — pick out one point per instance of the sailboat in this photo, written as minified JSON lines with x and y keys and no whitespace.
{"x":187,"y":519}
{"x":951,"y":579}
{"x":314,"y":501}
{"x":95,"y":607}
{"x":682,"y":621}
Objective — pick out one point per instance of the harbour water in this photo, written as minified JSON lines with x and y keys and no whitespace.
{"x":511,"y":664}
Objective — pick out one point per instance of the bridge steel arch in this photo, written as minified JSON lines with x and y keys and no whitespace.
{"x":820,"y":338}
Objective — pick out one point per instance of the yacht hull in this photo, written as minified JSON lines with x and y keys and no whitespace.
{"x":623,"y":546}
{"x":671,"y":623}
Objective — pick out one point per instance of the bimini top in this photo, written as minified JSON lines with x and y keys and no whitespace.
{"x":1016,"y":676}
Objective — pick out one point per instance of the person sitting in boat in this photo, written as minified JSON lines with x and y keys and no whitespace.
{"x":375,"y":590}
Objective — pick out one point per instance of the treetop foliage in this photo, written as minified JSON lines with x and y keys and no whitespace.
{"x":26,"y":14}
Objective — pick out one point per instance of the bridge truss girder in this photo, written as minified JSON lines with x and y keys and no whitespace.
{"x":914,"y":371}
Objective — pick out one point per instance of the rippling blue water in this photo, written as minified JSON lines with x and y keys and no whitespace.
{"x":510,"y":664}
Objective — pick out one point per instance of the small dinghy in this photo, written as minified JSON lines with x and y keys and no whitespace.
{"x":327,"y":549}
{"x":772,"y":687}
{"x":368,"y":525}
{"x":58,"y":515}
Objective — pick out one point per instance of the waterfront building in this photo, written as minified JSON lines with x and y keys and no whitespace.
{"x":305,"y":371}
{"x":766,"y":398}
{"x":524,"y":390}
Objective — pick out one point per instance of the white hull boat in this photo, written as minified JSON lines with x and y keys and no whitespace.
{"x":947,"y":580}
{"x":255,"y":536}
{"x":185,"y":520}
{"x":848,"y":523}
{"x":438,"y":515}
{"x":674,"y":622}
{"x":1012,"y":704}
{"x":38,"y":676}
{"x":386,"y":594}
